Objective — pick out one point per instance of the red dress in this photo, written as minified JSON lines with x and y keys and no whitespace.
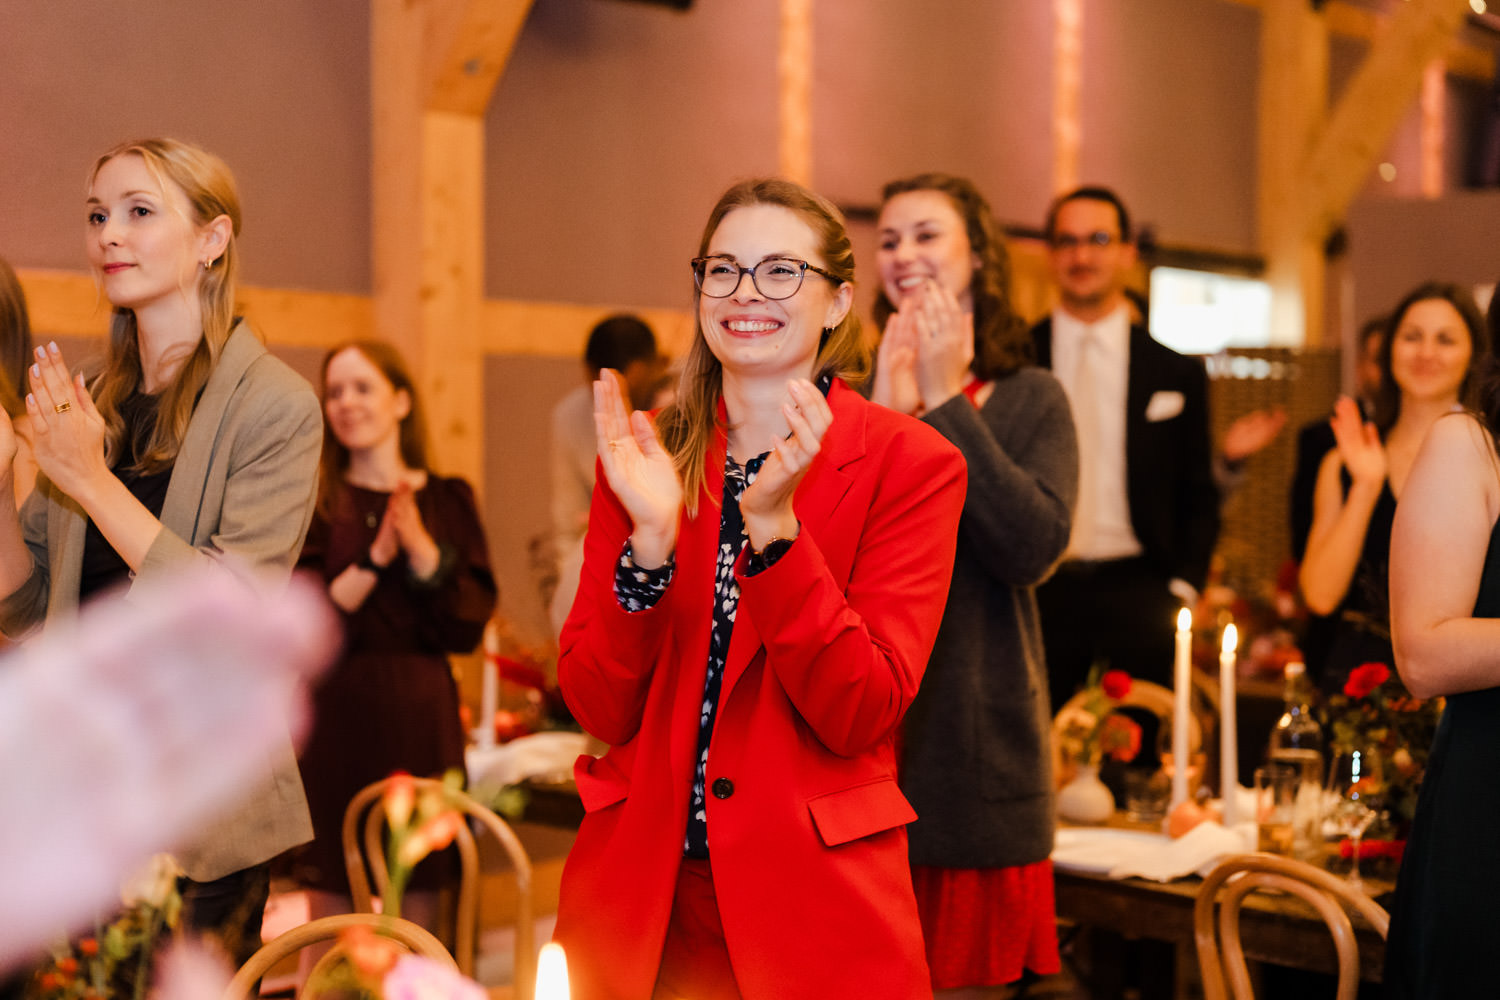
{"x":986,"y":926}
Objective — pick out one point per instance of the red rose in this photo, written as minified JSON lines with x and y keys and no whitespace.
{"x":1120,"y":737}
{"x":1116,"y":684}
{"x":1366,"y":678}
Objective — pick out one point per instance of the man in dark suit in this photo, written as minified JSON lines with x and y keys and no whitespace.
{"x":1148,"y":511}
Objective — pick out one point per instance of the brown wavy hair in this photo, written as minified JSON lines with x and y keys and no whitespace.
{"x":413,"y":433}
{"x":15,"y":342}
{"x":687,"y":426}
{"x":1001,"y":342}
{"x":211,"y":192}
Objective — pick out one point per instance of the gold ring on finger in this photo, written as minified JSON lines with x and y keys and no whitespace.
{"x":62,"y":407}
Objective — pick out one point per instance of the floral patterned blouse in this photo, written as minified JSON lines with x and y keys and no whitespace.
{"x":637,"y":589}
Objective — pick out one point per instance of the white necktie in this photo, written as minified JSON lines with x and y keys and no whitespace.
{"x":1085,"y":401}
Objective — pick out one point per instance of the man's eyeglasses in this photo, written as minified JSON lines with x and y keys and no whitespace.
{"x":1071,"y":241}
{"x":773,"y":277}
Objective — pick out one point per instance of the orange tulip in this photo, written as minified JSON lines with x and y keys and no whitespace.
{"x":400,"y":797}
{"x":433,"y":835}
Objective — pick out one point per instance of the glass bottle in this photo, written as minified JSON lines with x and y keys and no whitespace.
{"x":1297,"y":742}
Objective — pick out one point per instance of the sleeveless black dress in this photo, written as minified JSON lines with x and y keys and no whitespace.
{"x":1444,"y":933}
{"x":1361,"y":630}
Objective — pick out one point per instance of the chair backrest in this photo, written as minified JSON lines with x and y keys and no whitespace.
{"x":1142,"y":694}
{"x":413,"y":937}
{"x":366,"y":846}
{"x":1221,"y":958}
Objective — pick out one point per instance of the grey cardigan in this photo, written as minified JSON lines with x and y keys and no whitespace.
{"x":243,"y":484}
{"x":976,"y":759}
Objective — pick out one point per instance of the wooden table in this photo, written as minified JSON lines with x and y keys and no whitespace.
{"x":1281,"y":930}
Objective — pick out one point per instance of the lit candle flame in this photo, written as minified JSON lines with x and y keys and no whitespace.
{"x":1231,"y":638}
{"x":1184,"y":620}
{"x":552,"y":973}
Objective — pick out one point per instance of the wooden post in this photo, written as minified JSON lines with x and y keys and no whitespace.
{"x":1312,"y":168}
{"x":1434,"y":127}
{"x":437,"y":64}
{"x":1293,"y":91}
{"x":794,"y":78}
{"x":1067,"y":81}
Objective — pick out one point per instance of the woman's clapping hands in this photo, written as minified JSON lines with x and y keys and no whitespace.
{"x":1358,"y":443}
{"x":68,"y":431}
{"x":767,"y":503}
{"x":926,"y":351}
{"x":639,"y":471}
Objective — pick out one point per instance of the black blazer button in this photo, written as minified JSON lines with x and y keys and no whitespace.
{"x":723,"y":788}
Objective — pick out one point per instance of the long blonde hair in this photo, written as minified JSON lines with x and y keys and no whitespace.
{"x":688,"y":425}
{"x":210,"y":190}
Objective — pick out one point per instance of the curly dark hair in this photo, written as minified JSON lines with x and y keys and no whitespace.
{"x":1001,"y":342}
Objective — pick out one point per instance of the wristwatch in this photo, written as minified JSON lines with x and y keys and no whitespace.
{"x":366,"y":562}
{"x":765,"y":558}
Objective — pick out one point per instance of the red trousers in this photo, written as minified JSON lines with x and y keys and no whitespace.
{"x":695,"y":960}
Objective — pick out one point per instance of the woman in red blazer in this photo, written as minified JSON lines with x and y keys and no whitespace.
{"x":765,"y":570}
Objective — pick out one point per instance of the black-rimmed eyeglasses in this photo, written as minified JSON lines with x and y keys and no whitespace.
{"x":773,"y":277}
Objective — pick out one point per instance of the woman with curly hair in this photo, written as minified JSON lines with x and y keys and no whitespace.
{"x":976,"y":756}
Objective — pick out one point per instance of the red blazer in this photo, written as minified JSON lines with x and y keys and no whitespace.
{"x":829,"y":646}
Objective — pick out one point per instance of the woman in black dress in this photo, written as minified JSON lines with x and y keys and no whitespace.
{"x":1445,"y":602}
{"x":1426,"y":359}
{"x":404,"y":557}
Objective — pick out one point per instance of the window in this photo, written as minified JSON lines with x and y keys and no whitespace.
{"x":1205,"y":312}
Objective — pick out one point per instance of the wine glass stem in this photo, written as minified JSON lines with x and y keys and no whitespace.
{"x":1354,"y":868}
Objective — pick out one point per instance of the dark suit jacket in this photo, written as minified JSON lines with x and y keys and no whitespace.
{"x":1174,"y":506}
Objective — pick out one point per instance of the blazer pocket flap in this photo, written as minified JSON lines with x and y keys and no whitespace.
{"x":1164,"y":405}
{"x":599,"y":782}
{"x":852,"y":813}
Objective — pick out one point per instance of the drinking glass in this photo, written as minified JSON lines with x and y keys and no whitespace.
{"x":1353,"y":783}
{"x":1276,"y":807}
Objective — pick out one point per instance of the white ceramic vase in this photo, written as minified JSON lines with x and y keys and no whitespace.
{"x":1085,"y":799}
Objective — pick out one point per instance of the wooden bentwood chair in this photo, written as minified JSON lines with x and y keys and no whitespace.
{"x":369,"y":848}
{"x":413,"y":937}
{"x":1237,"y":877}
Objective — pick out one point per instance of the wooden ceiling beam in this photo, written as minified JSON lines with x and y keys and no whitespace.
{"x":467,"y":44}
{"x":1372,"y":106}
{"x":1348,"y":20}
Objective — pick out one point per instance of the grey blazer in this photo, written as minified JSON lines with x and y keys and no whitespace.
{"x":244,"y":484}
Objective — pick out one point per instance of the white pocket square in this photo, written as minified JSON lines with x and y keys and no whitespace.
{"x":1164,"y":405}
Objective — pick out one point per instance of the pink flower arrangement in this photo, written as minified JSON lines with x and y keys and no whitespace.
{"x":417,"y":978}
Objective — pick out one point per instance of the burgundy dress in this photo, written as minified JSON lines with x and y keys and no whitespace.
{"x":390,"y":702}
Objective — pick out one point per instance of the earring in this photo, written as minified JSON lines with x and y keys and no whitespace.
{"x":208,"y":265}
